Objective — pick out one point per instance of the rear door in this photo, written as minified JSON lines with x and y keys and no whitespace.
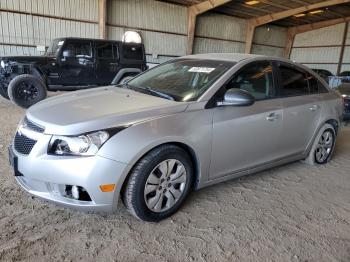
{"x":247,"y":136}
{"x":107,"y":65}
{"x":301,"y":108}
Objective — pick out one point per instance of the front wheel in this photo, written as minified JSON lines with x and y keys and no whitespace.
{"x":26,"y":90}
{"x":323,"y":147}
{"x":159,"y":184}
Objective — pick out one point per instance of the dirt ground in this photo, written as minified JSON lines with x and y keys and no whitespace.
{"x":291,"y":213}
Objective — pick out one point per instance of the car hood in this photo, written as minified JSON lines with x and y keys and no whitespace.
{"x":100,"y":108}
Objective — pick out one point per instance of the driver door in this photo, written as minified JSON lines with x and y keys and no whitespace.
{"x":76,"y":64}
{"x":245,"y":137}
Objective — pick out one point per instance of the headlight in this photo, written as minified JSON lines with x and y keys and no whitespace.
{"x":2,"y":64}
{"x":84,"y":145}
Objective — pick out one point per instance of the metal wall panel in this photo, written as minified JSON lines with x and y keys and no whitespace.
{"x":330,"y":67}
{"x":346,"y":57}
{"x":345,"y":68}
{"x":204,"y":45}
{"x":75,"y":9}
{"x":6,"y":50}
{"x":35,"y":30}
{"x":148,"y":14}
{"x":163,"y":26}
{"x":156,"y":43}
{"x":267,"y":50}
{"x":221,"y":26}
{"x":332,"y":35}
{"x":348,"y":36}
{"x":271,"y":35}
{"x":316,"y":54}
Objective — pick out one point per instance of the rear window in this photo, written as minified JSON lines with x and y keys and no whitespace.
{"x":133,"y":52}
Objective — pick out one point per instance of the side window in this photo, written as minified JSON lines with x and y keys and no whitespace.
{"x":132,"y":52}
{"x":104,"y":50}
{"x":294,"y":82}
{"x":313,"y":84}
{"x":322,"y":88}
{"x":256,"y":78}
{"x":78,"y":49}
{"x":316,"y":86}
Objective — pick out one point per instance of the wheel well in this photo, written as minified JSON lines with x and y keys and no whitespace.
{"x":183,"y":146}
{"x":128,"y":74}
{"x":194,"y":161}
{"x":333,"y":123}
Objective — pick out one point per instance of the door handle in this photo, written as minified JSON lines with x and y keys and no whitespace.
{"x":272,"y":117}
{"x":113,"y":63}
{"x":314,"y":107}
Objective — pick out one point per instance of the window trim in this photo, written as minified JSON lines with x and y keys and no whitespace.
{"x":212,"y":103}
{"x":70,"y":41}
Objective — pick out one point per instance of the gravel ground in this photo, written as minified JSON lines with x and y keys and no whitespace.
{"x":291,"y":213}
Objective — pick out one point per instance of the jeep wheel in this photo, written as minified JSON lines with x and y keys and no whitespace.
{"x":3,"y":92}
{"x":26,"y":90}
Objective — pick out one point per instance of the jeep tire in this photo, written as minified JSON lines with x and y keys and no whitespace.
{"x":26,"y":90}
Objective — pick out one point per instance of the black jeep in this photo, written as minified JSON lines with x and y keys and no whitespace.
{"x":69,"y":64}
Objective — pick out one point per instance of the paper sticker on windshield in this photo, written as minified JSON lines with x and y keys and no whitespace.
{"x":206,"y":70}
{"x":60,"y":43}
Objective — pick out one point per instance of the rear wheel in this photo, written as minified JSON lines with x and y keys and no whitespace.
{"x":125,"y":79}
{"x":26,"y":90}
{"x":323,"y":147}
{"x":159,"y":184}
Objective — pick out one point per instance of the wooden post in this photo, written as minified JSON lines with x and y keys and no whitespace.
{"x":191,"y":27}
{"x":192,"y":13}
{"x":249,"y":37}
{"x":341,"y":58}
{"x":102,"y":18}
{"x":290,"y":40}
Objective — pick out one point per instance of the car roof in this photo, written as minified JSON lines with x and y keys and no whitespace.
{"x":237,"y":57}
{"x":93,"y":39}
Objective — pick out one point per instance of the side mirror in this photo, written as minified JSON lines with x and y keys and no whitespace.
{"x":67,"y":53}
{"x":237,"y":97}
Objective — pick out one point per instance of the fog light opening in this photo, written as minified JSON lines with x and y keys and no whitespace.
{"x":77,"y":193}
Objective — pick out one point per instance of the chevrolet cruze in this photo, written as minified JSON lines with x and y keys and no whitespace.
{"x":186,"y":124}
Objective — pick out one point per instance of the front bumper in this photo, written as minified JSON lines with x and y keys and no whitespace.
{"x":46,"y":176}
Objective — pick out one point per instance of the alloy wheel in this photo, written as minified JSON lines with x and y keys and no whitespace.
{"x":165,"y":185}
{"x":324,"y":146}
{"x":27,"y":91}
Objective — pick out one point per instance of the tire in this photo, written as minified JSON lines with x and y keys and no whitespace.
{"x":165,"y":197}
{"x":125,"y":79}
{"x":3,"y":92}
{"x":322,"y":149}
{"x":26,"y":90}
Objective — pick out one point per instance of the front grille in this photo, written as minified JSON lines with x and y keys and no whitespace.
{"x":23,"y":144}
{"x":29,"y":124}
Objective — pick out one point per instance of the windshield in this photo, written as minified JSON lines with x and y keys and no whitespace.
{"x":182,"y":80}
{"x":54,"y":47}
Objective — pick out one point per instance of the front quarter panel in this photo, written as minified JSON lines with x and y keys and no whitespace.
{"x":190,"y":128}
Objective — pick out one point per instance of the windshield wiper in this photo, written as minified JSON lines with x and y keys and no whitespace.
{"x":152,"y":91}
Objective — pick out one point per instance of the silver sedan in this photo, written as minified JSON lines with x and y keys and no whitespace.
{"x":186,"y":124}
